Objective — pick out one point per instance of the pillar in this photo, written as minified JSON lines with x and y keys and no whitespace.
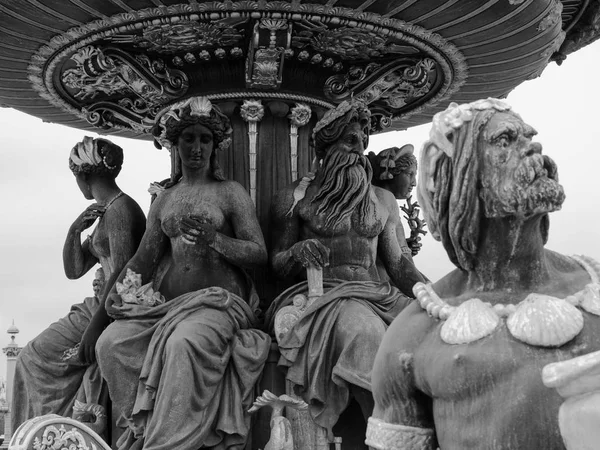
{"x":11,"y":351}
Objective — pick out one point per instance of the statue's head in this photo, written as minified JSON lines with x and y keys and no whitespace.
{"x":395,"y":169}
{"x":480,"y":163}
{"x":93,"y":159}
{"x":98,"y":283}
{"x":340,"y":139}
{"x":96,"y":156}
{"x":194,"y":117}
{"x":345,"y":126}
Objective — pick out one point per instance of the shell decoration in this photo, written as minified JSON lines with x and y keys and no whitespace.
{"x":469,"y":322}
{"x":591,"y":299}
{"x":545,"y":321}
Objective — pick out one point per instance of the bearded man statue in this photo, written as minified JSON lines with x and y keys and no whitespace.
{"x":461,"y":367}
{"x":337,"y":221}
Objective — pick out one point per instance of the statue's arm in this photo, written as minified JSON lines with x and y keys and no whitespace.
{"x":247,"y":249}
{"x":285,"y":232}
{"x":77,"y":258}
{"x":403,"y":412}
{"x":401,"y":270}
{"x":125,"y":228}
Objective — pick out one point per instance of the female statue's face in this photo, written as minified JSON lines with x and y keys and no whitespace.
{"x":401,"y":185}
{"x":84,"y":186}
{"x":195,"y":146}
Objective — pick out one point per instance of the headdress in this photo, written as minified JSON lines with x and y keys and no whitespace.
{"x":389,"y":159}
{"x":95,"y":156}
{"x":332,"y":124}
{"x":186,"y":112}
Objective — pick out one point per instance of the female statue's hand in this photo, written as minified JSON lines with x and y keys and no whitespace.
{"x":311,"y":252}
{"x":196,"y":229}
{"x":88,"y":217}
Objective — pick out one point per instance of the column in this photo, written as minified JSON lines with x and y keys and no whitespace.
{"x":11,"y":351}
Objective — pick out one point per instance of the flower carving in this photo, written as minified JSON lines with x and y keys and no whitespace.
{"x":252,"y":111}
{"x":300,"y":115}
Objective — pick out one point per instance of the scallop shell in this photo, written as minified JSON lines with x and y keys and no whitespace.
{"x":591,"y":299}
{"x":470,"y":321}
{"x":545,"y":321}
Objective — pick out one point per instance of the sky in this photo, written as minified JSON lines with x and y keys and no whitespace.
{"x":40,"y":199}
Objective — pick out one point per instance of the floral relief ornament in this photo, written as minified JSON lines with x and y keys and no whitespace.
{"x":300,"y":115}
{"x":252,"y":111}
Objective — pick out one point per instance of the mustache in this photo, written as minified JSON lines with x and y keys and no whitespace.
{"x":535,"y":167}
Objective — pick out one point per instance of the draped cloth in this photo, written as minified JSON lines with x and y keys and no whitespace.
{"x":182,"y":374}
{"x":334,"y":343}
{"x":45,"y":382}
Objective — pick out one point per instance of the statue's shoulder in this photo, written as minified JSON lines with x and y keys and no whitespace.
{"x":383,"y":195}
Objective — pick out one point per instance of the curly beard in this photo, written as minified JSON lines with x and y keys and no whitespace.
{"x":346,"y":185}
{"x":535,"y":190}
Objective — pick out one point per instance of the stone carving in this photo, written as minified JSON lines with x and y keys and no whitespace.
{"x":395,"y":169}
{"x":252,"y":111}
{"x":184,"y":36}
{"x":202,"y":233}
{"x":576,"y":380}
{"x":211,"y":33}
{"x":299,"y":117}
{"x":336,"y":337}
{"x":143,"y":85}
{"x":281,"y":429}
{"x":93,"y":415}
{"x":266,"y":55}
{"x":57,"y":367}
{"x":53,"y":432}
{"x":349,"y":43}
{"x":474,"y":344}
{"x":395,"y":84}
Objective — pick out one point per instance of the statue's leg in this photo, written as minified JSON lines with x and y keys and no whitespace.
{"x":120,"y":353}
{"x":194,"y":384}
{"x":44,"y":382}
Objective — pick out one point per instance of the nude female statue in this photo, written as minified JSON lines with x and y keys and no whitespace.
{"x":181,"y":362}
{"x":50,"y":375}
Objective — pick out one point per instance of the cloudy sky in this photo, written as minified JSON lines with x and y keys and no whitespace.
{"x":40,"y":198}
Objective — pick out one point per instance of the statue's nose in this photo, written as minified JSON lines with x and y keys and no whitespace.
{"x":534,"y":147}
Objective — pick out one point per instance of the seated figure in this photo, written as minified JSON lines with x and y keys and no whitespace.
{"x":461,"y":368}
{"x":182,"y":358}
{"x":57,"y":367}
{"x":338,"y":222}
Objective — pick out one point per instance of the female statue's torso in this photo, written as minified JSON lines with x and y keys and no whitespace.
{"x":188,"y":267}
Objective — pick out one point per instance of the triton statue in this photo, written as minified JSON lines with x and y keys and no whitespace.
{"x":337,"y":221}
{"x":461,"y":367}
{"x":56,"y":368}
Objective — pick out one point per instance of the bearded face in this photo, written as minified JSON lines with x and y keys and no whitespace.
{"x":346,"y":177}
{"x":517,"y":180}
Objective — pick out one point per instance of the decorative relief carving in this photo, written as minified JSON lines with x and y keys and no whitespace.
{"x":59,"y":438}
{"x":349,"y":43}
{"x":326,"y":38}
{"x":395,"y":85}
{"x":144,"y":85}
{"x":299,"y":116}
{"x":185,"y":36}
{"x":252,"y":111}
{"x":264,"y":67}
